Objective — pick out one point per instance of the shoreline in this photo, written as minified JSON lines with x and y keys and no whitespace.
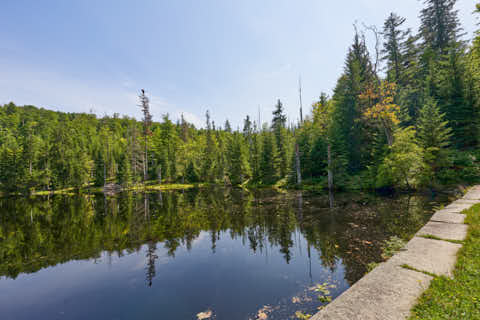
{"x":393,"y":288}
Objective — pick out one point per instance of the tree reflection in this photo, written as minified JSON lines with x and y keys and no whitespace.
{"x":40,"y":232}
{"x":151,"y":257}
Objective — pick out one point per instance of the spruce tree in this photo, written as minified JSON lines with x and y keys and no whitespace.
{"x":238,"y":168}
{"x":278,"y":125}
{"x":439,"y":24}
{"x":432,"y":130}
{"x":228,"y":127}
{"x":255,"y":155}
{"x":268,"y":173}
{"x":209,"y":152}
{"x":394,"y":47}
{"x":358,"y":75}
{"x":434,"y":137}
{"x":449,"y":88}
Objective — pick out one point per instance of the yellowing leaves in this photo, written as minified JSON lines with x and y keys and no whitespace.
{"x":382,"y":107}
{"x":385,"y":108}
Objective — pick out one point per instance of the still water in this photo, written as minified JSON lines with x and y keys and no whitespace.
{"x":192,"y":254}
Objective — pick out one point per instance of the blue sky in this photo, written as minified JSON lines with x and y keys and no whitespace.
{"x":230,"y":57}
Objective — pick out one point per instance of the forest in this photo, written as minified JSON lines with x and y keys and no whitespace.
{"x":404,"y":115}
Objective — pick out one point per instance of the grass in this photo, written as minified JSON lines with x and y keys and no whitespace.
{"x":406,"y":266}
{"x":173,"y":186}
{"x":430,"y":236}
{"x":66,"y":191}
{"x":150,"y":185}
{"x":457,"y":297}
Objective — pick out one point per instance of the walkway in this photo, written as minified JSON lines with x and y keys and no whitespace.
{"x":390,"y":290}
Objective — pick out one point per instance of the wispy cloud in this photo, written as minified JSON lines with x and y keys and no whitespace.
{"x":53,"y":90}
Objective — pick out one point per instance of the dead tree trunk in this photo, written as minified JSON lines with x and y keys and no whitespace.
{"x":329,"y":167}
{"x":145,"y":162}
{"x":160,"y":174}
{"x":297,"y":164}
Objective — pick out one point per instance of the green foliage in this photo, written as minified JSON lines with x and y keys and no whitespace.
{"x":432,"y":130}
{"x":464,"y":168}
{"x":439,"y":24}
{"x":434,"y":137}
{"x":191,"y":173}
{"x":432,"y":83}
{"x":457,"y":297}
{"x":302,"y":316}
{"x":392,"y":246}
{"x":42,"y":150}
{"x":280,"y":132}
{"x":268,"y":166}
{"x":404,"y":164}
{"x":371,"y":266}
{"x":238,"y":168}
{"x":394,"y":48}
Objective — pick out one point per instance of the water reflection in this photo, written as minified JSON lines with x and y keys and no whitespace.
{"x":229,"y":250}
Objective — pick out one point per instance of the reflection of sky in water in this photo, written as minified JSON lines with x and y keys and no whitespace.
{"x":233,"y":281}
{"x":217,"y":273}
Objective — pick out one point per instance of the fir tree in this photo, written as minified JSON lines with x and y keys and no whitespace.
{"x":238,"y":168}
{"x":268,"y":172}
{"x":278,"y":125}
{"x":228,"y":127}
{"x":440,"y":26}
{"x":394,"y":47}
{"x":433,"y":134}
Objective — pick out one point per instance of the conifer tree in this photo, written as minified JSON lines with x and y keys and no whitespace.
{"x":208,"y":157}
{"x":433,"y":134}
{"x":394,"y":47}
{"x":124,"y":174}
{"x":278,"y":125}
{"x":238,"y":169}
{"x":147,"y":122}
{"x":268,"y":172}
{"x":439,"y":24}
{"x":228,"y":127}
{"x":449,"y":87}
{"x":255,"y":155}
{"x":358,"y":75}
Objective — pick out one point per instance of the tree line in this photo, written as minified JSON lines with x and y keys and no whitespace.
{"x":404,"y":116}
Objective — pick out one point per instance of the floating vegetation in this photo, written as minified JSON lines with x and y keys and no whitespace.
{"x":302,"y":316}
{"x":296,"y":300}
{"x":392,"y":246}
{"x":371,"y":266}
{"x":205,"y":315}
{"x":325,"y":299}
{"x":324,"y":291}
{"x":262,"y":314}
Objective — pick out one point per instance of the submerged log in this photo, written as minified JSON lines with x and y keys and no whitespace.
{"x":112,"y":188}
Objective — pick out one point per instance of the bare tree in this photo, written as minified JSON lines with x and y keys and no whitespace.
{"x":297,"y":149}
{"x":377,"y":36}
{"x":147,"y":122}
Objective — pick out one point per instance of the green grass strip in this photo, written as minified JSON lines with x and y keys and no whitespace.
{"x":406,"y":266}
{"x":457,"y":297}
{"x":430,"y":236}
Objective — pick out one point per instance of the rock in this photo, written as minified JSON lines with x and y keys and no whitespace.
{"x":433,"y":256}
{"x":447,"y":217}
{"x":442,"y":230}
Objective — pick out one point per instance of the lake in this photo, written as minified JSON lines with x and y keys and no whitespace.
{"x":210,"y":253}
